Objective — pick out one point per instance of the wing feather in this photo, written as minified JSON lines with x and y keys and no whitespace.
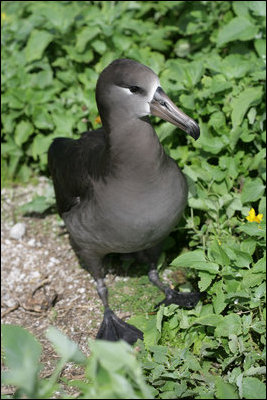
{"x":74,"y":164}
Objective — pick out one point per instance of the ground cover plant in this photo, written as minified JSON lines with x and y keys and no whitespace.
{"x":210,"y":57}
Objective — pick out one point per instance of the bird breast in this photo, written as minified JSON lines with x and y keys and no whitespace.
{"x":138,"y":216}
{"x":127,"y":216}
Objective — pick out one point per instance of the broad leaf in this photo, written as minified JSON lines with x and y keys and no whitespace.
{"x":252,"y":190}
{"x":23,"y":131}
{"x":238,"y":28}
{"x":240,"y":104}
{"x":22,"y":353}
{"x":253,"y":388}
{"x":37,"y":43}
{"x":65,"y":347}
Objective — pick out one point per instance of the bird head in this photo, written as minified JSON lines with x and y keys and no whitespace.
{"x":129,"y":90}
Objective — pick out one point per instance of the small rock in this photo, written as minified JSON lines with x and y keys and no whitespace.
{"x":17,"y":231}
{"x":10,"y":303}
{"x":31,"y":242}
{"x":54,"y":260}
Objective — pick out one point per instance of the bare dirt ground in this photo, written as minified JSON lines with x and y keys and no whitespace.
{"x":42,"y":281}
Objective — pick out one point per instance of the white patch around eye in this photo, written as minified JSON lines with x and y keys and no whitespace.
{"x":125,"y":90}
{"x":154,"y":87}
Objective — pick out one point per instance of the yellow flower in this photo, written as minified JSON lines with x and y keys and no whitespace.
{"x":252,"y":217}
{"x":3,"y":16}
{"x":98,"y":120}
{"x":258,"y":218}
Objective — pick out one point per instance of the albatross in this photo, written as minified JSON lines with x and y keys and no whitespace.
{"x":116,"y":188}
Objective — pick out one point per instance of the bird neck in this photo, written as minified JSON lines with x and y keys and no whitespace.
{"x":135,"y":148}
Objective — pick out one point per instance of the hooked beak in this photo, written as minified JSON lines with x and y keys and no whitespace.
{"x":161,"y":106}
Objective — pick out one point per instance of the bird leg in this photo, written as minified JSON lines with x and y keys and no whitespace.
{"x":187,"y":300}
{"x":102,"y":292}
{"x":113,"y":328}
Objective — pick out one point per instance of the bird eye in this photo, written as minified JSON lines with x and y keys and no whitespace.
{"x":134,"y":89}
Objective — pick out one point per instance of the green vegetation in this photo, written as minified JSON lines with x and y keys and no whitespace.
{"x":210,"y":57}
{"x":112,"y":371}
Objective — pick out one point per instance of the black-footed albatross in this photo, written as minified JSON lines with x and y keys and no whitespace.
{"x":116,"y":189}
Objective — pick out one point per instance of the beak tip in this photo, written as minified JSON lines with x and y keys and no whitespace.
{"x":194,"y":130}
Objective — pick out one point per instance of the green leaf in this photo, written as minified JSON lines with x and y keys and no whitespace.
{"x":239,"y":28}
{"x":23,"y":131}
{"x":193,"y":73}
{"x":165,"y":130}
{"x":139,"y":321}
{"x":65,"y":347}
{"x":42,"y":79}
{"x":218,"y":254}
{"x":159,"y":353}
{"x":115,"y":372}
{"x":42,"y":119}
{"x":255,"y":371}
{"x":233,"y":344}
{"x":116,"y":355}
{"x":235,"y":66}
{"x":99,"y":46}
{"x":59,"y":15}
{"x":205,"y":279}
{"x":219,"y":84}
{"x":260,"y":46}
{"x":22,"y":353}
{"x":40,"y":146}
{"x":258,"y":7}
{"x":242,"y":259}
{"x":208,"y":320}
{"x":230,"y":324}
{"x":151,"y":334}
{"x":252,"y":229}
{"x":84,"y":57}
{"x":241,"y":9}
{"x":189,"y":258}
{"x":24,"y":173}
{"x":259,"y":327}
{"x":188,"y":101}
{"x":37,"y":43}
{"x":218,"y":298}
{"x":240,"y":104}
{"x":260,"y":265}
{"x":253,"y":388}
{"x":248,"y":246}
{"x":64,"y":123}
{"x":217,"y":121}
{"x":195,"y":259}
{"x":121,"y":42}
{"x":85,"y":36}
{"x":225,"y":390}
{"x":207,"y":141}
{"x":252,"y":190}
{"x":39,"y":204}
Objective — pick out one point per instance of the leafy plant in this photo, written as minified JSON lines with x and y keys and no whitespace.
{"x":111,"y":372}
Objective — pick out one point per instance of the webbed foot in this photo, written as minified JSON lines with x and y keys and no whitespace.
{"x":186,"y":300}
{"x":114,"y":328}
